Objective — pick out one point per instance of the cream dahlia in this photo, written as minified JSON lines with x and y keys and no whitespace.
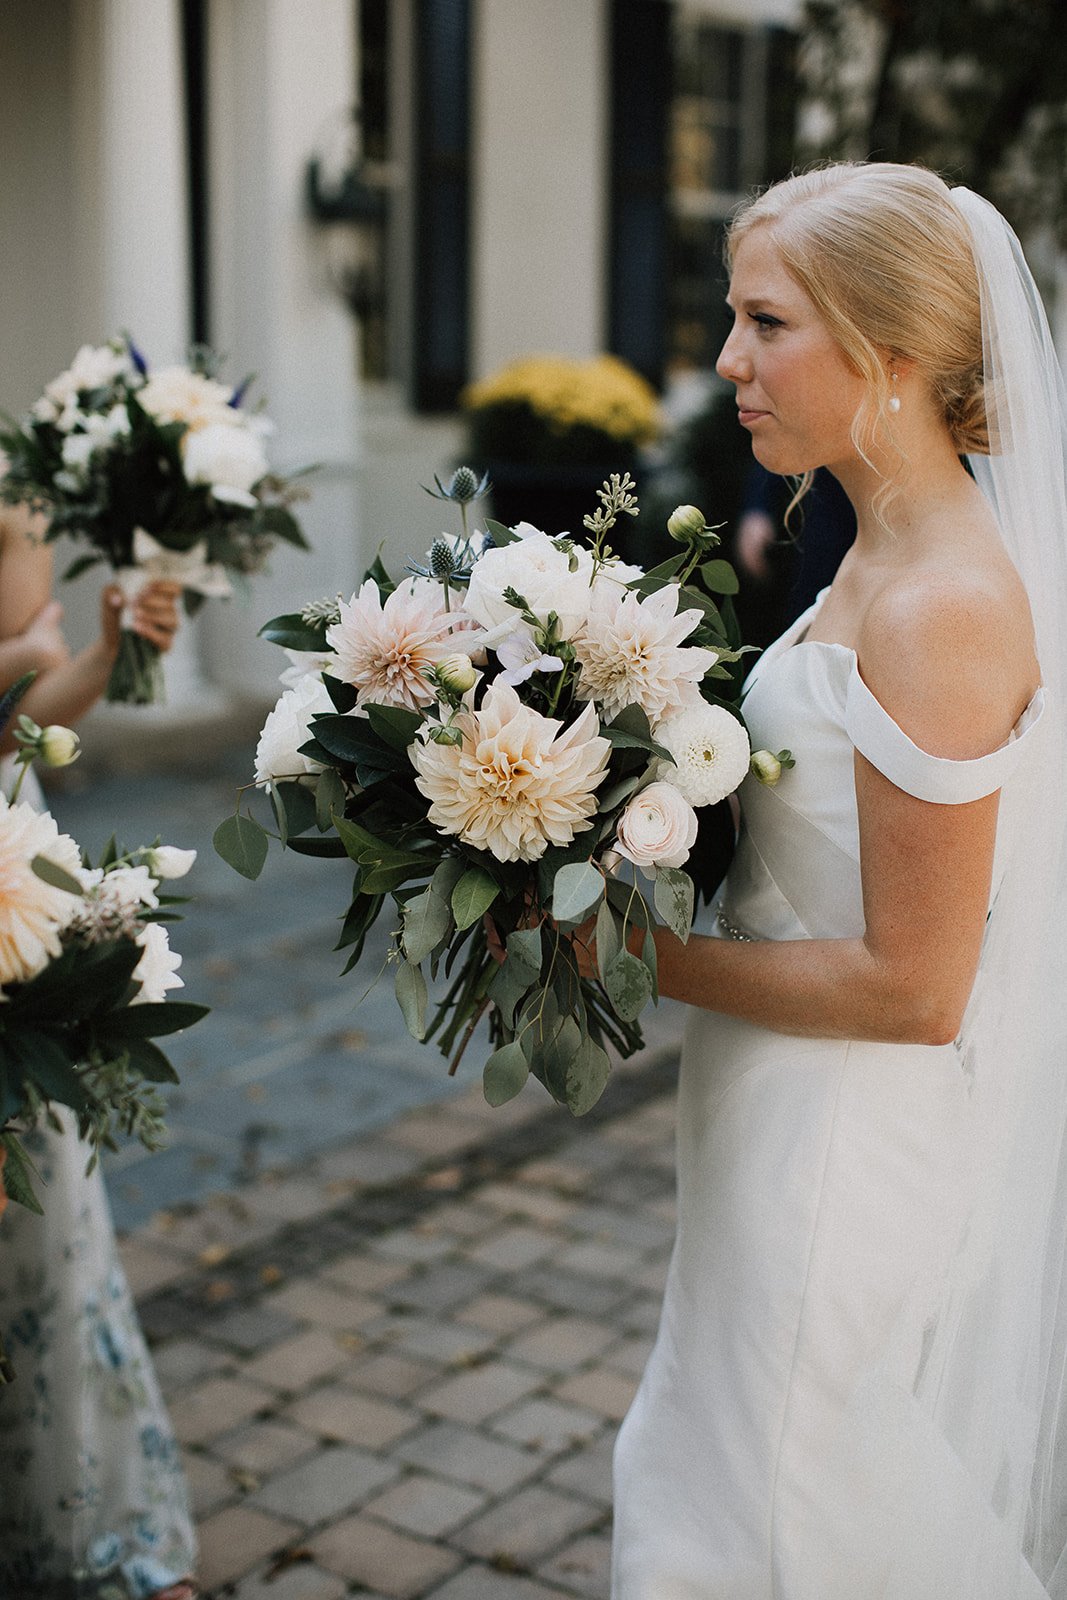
{"x":516,"y":784}
{"x":33,"y":914}
{"x":711,"y":753}
{"x":631,"y":653}
{"x":385,"y":650}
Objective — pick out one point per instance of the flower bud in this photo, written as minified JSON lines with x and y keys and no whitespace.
{"x":446,"y":733}
{"x":766,"y":767}
{"x":686,"y":524}
{"x":456,"y":674}
{"x":167,"y":861}
{"x":58,"y":746}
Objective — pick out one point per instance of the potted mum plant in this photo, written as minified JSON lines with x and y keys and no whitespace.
{"x":551,"y":428}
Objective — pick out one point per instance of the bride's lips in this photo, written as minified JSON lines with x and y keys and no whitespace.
{"x":746,"y":416}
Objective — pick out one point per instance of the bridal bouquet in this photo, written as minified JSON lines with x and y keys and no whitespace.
{"x":522,"y":745}
{"x":162,"y":474}
{"x":85,"y":966}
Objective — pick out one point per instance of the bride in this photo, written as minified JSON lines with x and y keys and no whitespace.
{"x":854,"y":1388}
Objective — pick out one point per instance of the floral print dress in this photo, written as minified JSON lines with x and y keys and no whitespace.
{"x":93,"y":1504}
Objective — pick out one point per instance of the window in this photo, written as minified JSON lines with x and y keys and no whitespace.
{"x":703,"y":112}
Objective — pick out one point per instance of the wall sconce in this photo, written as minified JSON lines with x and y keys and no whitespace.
{"x":348,"y":197}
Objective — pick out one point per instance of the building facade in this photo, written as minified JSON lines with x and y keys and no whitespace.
{"x":556,"y":174}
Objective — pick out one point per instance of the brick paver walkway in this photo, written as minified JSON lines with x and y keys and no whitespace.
{"x":398,"y":1371}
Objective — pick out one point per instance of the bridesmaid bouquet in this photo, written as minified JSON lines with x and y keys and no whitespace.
{"x":521,"y":744}
{"x":85,"y":966}
{"x":162,"y":474}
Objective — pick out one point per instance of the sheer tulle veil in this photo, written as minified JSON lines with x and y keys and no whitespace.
{"x":992,"y":1376}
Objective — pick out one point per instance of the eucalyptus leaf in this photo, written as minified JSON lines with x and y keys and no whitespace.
{"x":427,"y":922}
{"x":524,"y":949}
{"x":52,"y":874}
{"x":505,"y":1074}
{"x":608,"y":935}
{"x":629,"y":985}
{"x":411,"y":997}
{"x":610,"y":798}
{"x":556,"y":1055}
{"x":587,"y":1077}
{"x":507,"y":988}
{"x":472,"y":896}
{"x":242,"y":844}
{"x":651,"y":960}
{"x":16,"y":1175}
{"x":673,"y":899}
{"x":576,"y":891}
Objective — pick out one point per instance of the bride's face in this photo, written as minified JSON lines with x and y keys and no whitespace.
{"x":796,"y":394}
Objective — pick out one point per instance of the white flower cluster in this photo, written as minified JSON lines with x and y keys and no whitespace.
{"x":37,"y":916}
{"x":222,"y":446}
{"x":507,"y":777}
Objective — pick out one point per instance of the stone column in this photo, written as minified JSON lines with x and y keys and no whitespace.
{"x":132,"y":250}
{"x":280,"y":74}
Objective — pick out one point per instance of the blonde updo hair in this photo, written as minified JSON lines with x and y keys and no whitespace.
{"x":885,"y":255}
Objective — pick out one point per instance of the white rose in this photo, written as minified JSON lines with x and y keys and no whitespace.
{"x":536,"y":567}
{"x":228,"y":457}
{"x":167,"y":861}
{"x":657,"y":829}
{"x":303,"y":662}
{"x":175,"y":394}
{"x":286,"y":729}
{"x":77,"y":448}
{"x":157,"y":970}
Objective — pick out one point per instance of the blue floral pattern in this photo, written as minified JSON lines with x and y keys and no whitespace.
{"x":93,"y":1503}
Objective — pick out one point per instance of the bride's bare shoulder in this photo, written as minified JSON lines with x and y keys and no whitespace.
{"x":948,"y":648}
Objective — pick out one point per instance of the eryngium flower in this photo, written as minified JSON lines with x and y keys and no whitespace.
{"x":33,"y":914}
{"x":385,"y":651}
{"x":631,"y":653}
{"x":711,"y":752}
{"x":517,"y":783}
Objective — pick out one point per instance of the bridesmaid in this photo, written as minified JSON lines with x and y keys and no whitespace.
{"x":93,"y":1505}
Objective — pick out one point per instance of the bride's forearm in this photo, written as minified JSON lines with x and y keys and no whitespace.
{"x":815,"y":988}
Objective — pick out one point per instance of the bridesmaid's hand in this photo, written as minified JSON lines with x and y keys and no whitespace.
{"x":155,"y":614}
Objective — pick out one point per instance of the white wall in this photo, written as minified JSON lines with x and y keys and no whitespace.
{"x":540,"y":178}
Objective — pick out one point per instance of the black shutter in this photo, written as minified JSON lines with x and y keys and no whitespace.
{"x":442,"y":202}
{"x":640,"y":98}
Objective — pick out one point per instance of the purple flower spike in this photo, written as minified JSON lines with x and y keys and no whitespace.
{"x":239,"y":393}
{"x":136,"y":357}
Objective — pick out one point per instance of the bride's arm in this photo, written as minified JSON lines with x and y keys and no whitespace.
{"x":926,"y":868}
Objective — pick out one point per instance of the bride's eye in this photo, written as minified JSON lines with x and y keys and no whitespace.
{"x":765,"y":322}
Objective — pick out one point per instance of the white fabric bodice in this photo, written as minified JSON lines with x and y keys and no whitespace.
{"x":796,"y":872}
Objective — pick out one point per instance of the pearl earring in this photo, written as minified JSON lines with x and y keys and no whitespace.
{"x":894,"y":398}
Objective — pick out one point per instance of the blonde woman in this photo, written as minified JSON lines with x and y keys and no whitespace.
{"x":854,"y":1390}
{"x":92,"y":1499}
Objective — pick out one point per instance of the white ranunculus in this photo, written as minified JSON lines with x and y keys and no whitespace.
{"x":286,"y":729}
{"x":157,"y":970}
{"x":657,"y":829}
{"x":227,"y":457}
{"x":549,"y":579}
{"x":167,"y":861}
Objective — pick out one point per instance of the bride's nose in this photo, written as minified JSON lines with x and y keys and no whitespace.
{"x":733,"y":364}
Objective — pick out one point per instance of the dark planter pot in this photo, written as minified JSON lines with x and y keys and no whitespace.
{"x":554,"y":498}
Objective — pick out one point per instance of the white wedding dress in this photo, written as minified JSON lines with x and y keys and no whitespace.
{"x":794,"y":1436}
